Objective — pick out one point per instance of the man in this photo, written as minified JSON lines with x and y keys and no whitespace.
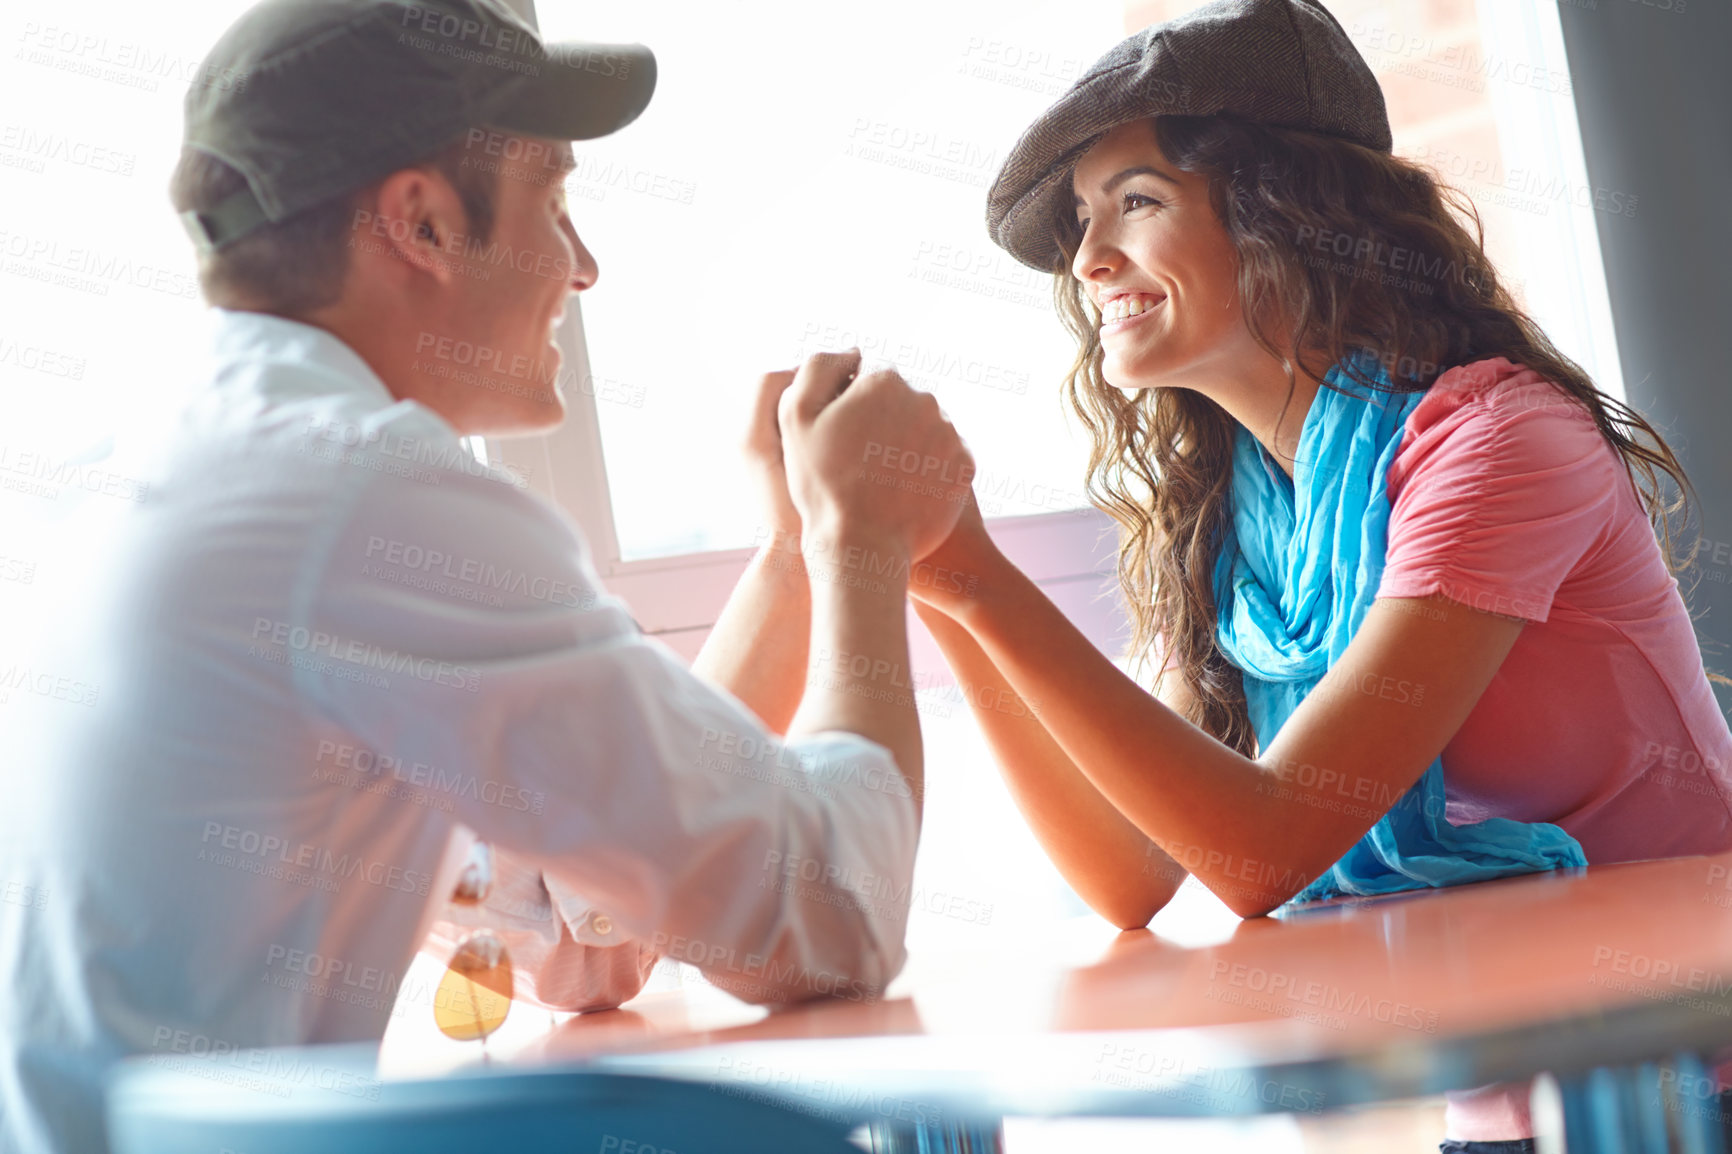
{"x":326,"y":651}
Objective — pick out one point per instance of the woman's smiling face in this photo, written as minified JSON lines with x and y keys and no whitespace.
{"x":1158,"y":266}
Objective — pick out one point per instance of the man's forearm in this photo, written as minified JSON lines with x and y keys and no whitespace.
{"x":859,"y":673}
{"x":757,"y":650}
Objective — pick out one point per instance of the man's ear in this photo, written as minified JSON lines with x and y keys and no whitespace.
{"x":421,"y":218}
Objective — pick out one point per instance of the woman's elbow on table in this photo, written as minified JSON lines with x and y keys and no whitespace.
{"x":1131,"y":916}
{"x":1250,"y":903}
{"x":1135,"y":910}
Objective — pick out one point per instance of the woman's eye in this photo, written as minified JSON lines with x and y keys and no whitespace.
{"x":1137,"y":200}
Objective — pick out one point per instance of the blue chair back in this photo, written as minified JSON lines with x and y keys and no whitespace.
{"x":327,"y":1099}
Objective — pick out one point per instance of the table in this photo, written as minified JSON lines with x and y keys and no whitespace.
{"x":1616,"y":979}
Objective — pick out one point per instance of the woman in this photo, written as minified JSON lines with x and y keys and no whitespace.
{"x":1393,"y":553}
{"x":1402,"y":495}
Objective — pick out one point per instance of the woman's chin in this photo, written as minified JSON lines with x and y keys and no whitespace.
{"x":1143,"y":373}
{"x":1128,"y":383}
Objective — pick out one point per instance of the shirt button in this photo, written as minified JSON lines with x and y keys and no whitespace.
{"x":601,"y":924}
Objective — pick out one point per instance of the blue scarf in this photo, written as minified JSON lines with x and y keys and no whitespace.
{"x":1292,"y":585}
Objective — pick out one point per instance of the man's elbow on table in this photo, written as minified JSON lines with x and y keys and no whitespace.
{"x":581,"y":979}
{"x":779,"y":982}
{"x":851,"y":957}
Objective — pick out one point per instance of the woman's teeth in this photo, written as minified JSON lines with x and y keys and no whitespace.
{"x":1128,"y":306}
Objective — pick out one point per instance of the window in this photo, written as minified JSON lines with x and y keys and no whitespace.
{"x":775,"y":200}
{"x":794,"y":216}
{"x":816,"y":188}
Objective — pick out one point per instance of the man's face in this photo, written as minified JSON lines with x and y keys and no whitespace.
{"x":512,"y":292}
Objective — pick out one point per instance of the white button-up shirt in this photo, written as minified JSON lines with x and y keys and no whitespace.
{"x":313,"y":652}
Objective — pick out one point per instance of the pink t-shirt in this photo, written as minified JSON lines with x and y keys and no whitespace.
{"x":1506,"y":497}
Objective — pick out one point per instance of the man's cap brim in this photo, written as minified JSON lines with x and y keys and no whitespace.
{"x":583,"y":92}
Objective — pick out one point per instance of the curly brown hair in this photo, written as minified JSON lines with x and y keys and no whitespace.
{"x":1160,"y":461}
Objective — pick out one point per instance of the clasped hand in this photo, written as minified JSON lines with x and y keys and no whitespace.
{"x":856,"y":465}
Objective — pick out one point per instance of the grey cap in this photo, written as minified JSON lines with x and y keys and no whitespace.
{"x":310,"y":99}
{"x":1284,"y":62}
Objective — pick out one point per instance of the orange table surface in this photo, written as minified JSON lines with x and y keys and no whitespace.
{"x":1338,"y":979}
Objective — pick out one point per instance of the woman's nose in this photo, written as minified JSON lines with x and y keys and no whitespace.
{"x":1094,"y":256}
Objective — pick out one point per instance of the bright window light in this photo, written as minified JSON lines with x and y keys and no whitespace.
{"x":810,"y":177}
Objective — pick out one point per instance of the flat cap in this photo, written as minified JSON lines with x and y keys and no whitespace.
{"x":1282,"y":62}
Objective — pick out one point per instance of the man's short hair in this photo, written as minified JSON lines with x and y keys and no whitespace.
{"x":298,"y":265}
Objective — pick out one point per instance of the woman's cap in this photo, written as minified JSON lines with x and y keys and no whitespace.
{"x":1283,"y":62}
{"x":309,"y":99}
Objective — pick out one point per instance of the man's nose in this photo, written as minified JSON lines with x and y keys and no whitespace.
{"x":584,"y":270}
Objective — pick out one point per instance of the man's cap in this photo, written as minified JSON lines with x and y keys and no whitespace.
{"x":1283,"y":62}
{"x":310,"y":99}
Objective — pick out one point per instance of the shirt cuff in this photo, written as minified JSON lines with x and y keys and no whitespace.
{"x":588,"y":926}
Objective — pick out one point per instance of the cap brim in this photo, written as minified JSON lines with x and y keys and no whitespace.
{"x":583,"y":91}
{"x":1022,"y":220}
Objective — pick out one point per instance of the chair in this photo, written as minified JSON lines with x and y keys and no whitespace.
{"x":327,"y":1099}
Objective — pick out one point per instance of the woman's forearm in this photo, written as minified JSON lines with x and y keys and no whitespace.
{"x":1112,"y":865}
{"x":758,"y":648}
{"x":1208,"y":807}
